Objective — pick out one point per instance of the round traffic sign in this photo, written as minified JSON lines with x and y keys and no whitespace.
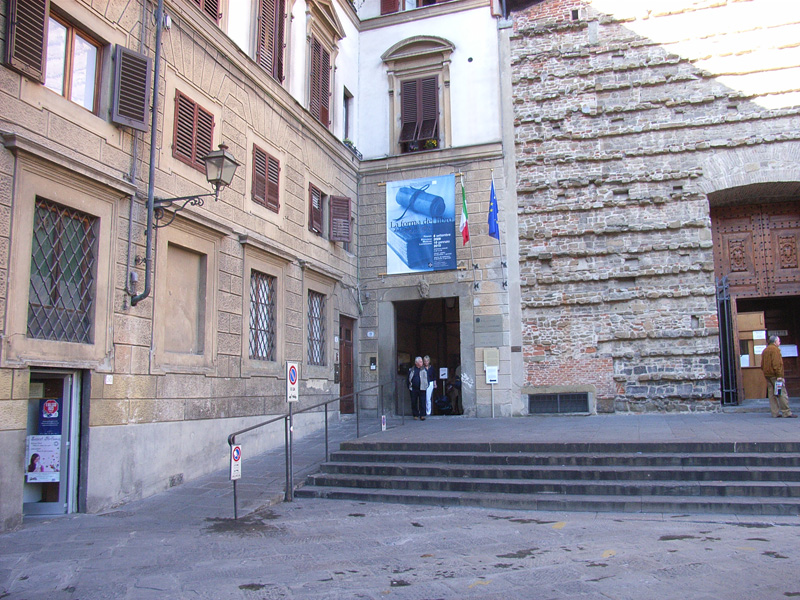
{"x":237,"y":453}
{"x":293,"y":375}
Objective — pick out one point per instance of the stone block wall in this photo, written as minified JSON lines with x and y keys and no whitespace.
{"x":623,"y":114}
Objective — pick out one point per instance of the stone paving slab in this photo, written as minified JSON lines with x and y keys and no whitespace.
{"x":183,"y":543}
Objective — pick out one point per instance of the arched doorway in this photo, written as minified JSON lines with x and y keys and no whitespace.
{"x":757,"y":250}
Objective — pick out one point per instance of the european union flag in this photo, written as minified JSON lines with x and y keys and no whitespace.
{"x":494,"y":230}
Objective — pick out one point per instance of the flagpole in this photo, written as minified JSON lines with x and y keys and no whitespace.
{"x":503,"y":263}
{"x":471,"y":256}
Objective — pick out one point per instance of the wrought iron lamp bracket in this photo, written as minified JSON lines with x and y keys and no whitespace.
{"x":159,"y":204}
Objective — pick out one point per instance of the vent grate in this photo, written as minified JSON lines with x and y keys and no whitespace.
{"x":539,"y":404}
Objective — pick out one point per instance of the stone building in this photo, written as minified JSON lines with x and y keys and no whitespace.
{"x":656,"y":153}
{"x":134,"y":341}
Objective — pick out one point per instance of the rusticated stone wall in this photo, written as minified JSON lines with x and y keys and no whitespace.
{"x":624,"y":113}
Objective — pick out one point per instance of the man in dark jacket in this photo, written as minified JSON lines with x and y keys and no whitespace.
{"x":417,"y":384}
{"x":772,"y":366}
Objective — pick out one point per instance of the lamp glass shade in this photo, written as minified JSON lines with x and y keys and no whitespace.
{"x":220,"y":167}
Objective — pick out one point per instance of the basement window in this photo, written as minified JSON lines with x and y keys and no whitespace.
{"x":539,"y":404}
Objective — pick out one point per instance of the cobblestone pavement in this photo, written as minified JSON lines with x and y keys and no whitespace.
{"x":184,"y":543}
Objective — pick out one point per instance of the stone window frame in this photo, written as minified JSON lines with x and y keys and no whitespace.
{"x":416,"y":58}
{"x":258,"y":260}
{"x":203,"y":241}
{"x":38,"y":177}
{"x":324,"y":28}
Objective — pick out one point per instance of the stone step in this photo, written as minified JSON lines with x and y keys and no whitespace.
{"x":469,"y":485}
{"x":596,"y":459}
{"x":565,"y":503}
{"x":597,"y":472}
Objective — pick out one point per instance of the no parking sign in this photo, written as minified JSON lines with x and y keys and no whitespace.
{"x":236,"y":462}
{"x":292,"y":382}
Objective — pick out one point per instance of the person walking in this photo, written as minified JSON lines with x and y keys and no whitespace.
{"x":426,"y":362}
{"x":772,"y":366}
{"x":417,"y":384}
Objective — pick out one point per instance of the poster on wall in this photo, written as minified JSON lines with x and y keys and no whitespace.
{"x":42,"y":458}
{"x":49,"y":416}
{"x":420,"y":225}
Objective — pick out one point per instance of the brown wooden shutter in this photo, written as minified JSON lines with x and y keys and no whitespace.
{"x":389,"y":6}
{"x":273,"y":183}
{"x":26,"y":36}
{"x":429,"y":115}
{"x":409,"y":111}
{"x":259,"y":191}
{"x":340,"y":219}
{"x":131,"y":102}
{"x":194,"y":132}
{"x":325,"y":88}
{"x":269,"y":53}
{"x":314,"y":209}
{"x":316,"y":68}
{"x":211,"y":8}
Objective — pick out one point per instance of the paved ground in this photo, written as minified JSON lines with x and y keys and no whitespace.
{"x":184,"y":543}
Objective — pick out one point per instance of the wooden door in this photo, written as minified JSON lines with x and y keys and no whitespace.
{"x":346,"y":327}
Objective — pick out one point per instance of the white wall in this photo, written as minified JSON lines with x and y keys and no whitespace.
{"x":474,"y":86}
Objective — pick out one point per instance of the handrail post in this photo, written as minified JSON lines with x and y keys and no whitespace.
{"x":290,"y":489}
{"x":327,"y":453}
{"x":232,"y":443}
{"x":358,"y":429}
{"x":286,"y":457}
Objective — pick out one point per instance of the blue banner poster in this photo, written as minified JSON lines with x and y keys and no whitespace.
{"x":421,"y":225}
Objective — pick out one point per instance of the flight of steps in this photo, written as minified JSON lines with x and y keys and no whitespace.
{"x":685,"y":477}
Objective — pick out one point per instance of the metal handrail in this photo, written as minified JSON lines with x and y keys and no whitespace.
{"x":288,"y":442}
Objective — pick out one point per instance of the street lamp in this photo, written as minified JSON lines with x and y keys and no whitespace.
{"x":220,"y":169}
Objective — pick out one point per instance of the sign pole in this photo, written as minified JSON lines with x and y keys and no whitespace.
{"x":292,"y":396}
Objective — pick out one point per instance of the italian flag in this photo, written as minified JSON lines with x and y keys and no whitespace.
{"x":464,"y":216}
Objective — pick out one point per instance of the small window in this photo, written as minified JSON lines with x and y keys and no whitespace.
{"x":316,"y":209}
{"x":419,"y":114}
{"x":340,"y":219}
{"x":211,"y":8}
{"x":320,"y":82}
{"x":72,"y":63}
{"x":392,"y":6}
{"x":266,"y":179}
{"x":271,"y":26}
{"x":347,"y":106}
{"x":262,"y":316}
{"x":558,"y":403}
{"x":63,"y":271}
{"x":316,"y":328}
{"x":194,"y":129}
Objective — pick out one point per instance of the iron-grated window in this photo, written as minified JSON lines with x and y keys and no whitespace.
{"x":262,"y":316}
{"x":316,"y":328}
{"x":558,"y":403}
{"x":63,"y":264}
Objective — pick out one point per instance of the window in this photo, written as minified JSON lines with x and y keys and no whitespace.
{"x":320,"y":83}
{"x":340,"y":219}
{"x":392,"y":6}
{"x":316,"y":328}
{"x":271,"y":25}
{"x":194,"y":128}
{"x":72,"y":59}
{"x":211,"y":8}
{"x":266,"y":179}
{"x":63,"y":271}
{"x":420,"y":115}
{"x":418,"y":69}
{"x":348,"y":114}
{"x":315,"y":209}
{"x":131,"y":101}
{"x":262,"y":316}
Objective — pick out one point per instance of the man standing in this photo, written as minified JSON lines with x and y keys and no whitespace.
{"x":772,"y":366}
{"x":418,"y":383}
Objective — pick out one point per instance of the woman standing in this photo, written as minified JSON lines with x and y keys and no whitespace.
{"x":431,"y":383}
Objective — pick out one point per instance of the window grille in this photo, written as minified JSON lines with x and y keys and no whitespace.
{"x":558,"y":403}
{"x":262,"y":316}
{"x":316,"y":328}
{"x":63,"y":264}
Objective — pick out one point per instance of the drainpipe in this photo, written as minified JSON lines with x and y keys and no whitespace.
{"x":148,"y":266}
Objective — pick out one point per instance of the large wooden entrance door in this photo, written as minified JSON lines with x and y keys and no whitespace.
{"x":346,"y":326}
{"x":756,"y":246}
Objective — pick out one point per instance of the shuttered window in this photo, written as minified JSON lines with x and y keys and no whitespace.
{"x":340,"y":219}
{"x":320,"y":82}
{"x":271,"y":23}
{"x":389,"y":6}
{"x":266,"y":179}
{"x":419,"y":114}
{"x":315,"y":209}
{"x":131,"y":103}
{"x":194,"y":129}
{"x":211,"y":8}
{"x":26,"y":36}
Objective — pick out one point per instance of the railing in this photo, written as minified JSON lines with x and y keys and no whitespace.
{"x":288,"y":429}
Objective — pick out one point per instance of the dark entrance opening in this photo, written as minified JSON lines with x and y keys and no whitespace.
{"x":346,"y":328}
{"x":431,"y":327}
